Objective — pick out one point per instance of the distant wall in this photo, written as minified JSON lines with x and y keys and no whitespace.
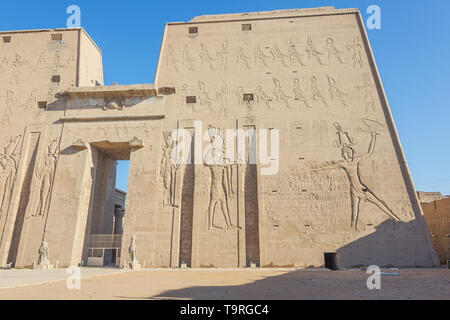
{"x":437,"y":216}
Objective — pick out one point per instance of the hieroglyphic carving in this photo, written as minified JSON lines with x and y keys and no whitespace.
{"x":312,"y":51}
{"x":17,"y":64}
{"x":31,"y":101}
{"x":221,"y":96}
{"x":335,"y":92}
{"x":242,"y":58}
{"x":240,"y":95}
{"x":356,"y":47}
{"x":42,"y":182}
{"x":298,"y":93}
{"x":260,"y":56}
{"x":262,"y":97}
{"x":221,"y":189}
{"x":40,"y":64}
{"x":279,"y":56}
{"x":3,"y":64}
{"x":187,"y":60}
{"x":279,"y":93}
{"x":171,"y":59}
{"x":8,"y":171}
{"x":317,"y":93}
{"x":168,"y":170}
{"x":294,"y":55}
{"x":369,"y":100}
{"x":333,"y":51}
{"x":9,"y":106}
{"x":203,"y":97}
{"x":222,"y":56}
{"x":205,"y":56}
{"x":351,"y":166}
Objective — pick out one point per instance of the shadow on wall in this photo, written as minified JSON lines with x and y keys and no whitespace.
{"x":393,"y":244}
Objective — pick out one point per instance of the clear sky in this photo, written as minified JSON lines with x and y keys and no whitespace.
{"x":412,"y":51}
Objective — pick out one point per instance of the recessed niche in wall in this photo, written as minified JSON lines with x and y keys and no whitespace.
{"x":191,"y":99}
{"x":42,"y":104}
{"x":57,"y":36}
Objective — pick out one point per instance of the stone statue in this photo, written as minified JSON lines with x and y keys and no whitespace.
{"x":44,"y":255}
{"x":134,"y":263}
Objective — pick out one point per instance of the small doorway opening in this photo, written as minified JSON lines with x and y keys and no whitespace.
{"x":331,"y":260}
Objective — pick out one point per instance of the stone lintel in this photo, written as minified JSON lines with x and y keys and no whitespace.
{"x":113,"y":118}
{"x":111,"y":92}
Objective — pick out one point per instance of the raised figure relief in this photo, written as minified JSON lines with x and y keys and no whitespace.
{"x":260,"y":56}
{"x":242,"y":58}
{"x":205,"y":57}
{"x":333,"y":51}
{"x":222,"y":56}
{"x":43,"y":182}
{"x":221,"y":96}
{"x":31,"y":101}
{"x":18,"y":63}
{"x":8,"y":170}
{"x":312,"y":51}
{"x":3,"y":64}
{"x":294,"y":55}
{"x":203,"y":97}
{"x":221,"y":189}
{"x":9,"y":106}
{"x":356,"y":47}
{"x":279,"y":93}
{"x":317,"y":93}
{"x":369,"y":100}
{"x":279,"y":56}
{"x":187,"y":60}
{"x":335,"y":92}
{"x":168,"y":170}
{"x":40,"y":64}
{"x":262,"y":97}
{"x":298,"y":93}
{"x":351,"y":166}
{"x":171,"y":59}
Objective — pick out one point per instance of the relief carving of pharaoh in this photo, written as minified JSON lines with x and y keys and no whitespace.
{"x":42,"y":182}
{"x":221,"y":188}
{"x":8,"y":170}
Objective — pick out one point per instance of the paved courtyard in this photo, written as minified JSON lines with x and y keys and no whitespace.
{"x":97,"y":283}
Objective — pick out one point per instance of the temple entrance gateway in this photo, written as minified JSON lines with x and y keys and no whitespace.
{"x":107,"y":207}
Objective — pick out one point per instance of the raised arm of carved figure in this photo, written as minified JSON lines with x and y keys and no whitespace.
{"x":329,"y":165}
{"x":371,"y":147}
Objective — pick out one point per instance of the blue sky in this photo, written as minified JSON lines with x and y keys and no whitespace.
{"x":412,"y":51}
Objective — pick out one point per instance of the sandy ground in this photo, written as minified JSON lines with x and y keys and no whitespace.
{"x":243,"y":284}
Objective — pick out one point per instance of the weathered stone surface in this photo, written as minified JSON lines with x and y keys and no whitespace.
{"x":437,"y":216}
{"x":342,"y":184}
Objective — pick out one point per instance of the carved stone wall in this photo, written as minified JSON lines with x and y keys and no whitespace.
{"x":341,"y":183}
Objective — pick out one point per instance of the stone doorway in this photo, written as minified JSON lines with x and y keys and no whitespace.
{"x":107,"y":205}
